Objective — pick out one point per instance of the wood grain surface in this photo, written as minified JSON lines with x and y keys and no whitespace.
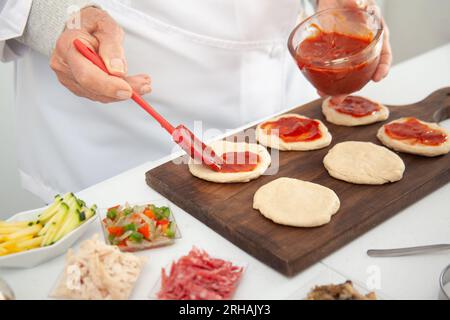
{"x":227,"y":208}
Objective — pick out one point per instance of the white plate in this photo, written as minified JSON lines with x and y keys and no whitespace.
{"x":34,"y":257}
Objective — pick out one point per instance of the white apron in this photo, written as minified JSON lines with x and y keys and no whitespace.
{"x":222,"y":62}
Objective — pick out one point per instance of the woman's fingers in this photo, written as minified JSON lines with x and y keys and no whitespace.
{"x":383,"y":67}
{"x":92,"y":78}
{"x":140,"y":83}
{"x":88,"y":87}
{"x":102,"y":34}
{"x":91,"y":82}
{"x":110,"y":36}
{"x":385,"y":58}
{"x":71,"y":84}
{"x":338,"y":99}
{"x":321,"y":94}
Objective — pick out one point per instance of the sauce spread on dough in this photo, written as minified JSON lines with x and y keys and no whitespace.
{"x":415,"y":131}
{"x":313,"y":54}
{"x":357,"y":107}
{"x":293,"y":129}
{"x":239,"y":162}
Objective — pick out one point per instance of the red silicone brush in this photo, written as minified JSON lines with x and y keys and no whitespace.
{"x":185,"y":138}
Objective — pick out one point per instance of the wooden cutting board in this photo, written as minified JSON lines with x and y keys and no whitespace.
{"x":227,"y":208}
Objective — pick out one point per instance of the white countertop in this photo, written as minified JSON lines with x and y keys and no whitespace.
{"x":426,"y":222}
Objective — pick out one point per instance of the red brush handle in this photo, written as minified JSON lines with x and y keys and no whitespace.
{"x":98,"y":61}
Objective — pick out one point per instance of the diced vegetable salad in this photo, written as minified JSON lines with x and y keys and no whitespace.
{"x":139,"y":227}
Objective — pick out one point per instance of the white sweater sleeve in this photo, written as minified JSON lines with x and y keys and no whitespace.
{"x":46,"y":22}
{"x":36,"y":24}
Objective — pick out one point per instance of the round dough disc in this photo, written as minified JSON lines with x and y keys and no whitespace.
{"x":419,"y":149}
{"x":363,"y":163}
{"x":343,"y":119}
{"x":296,"y":203}
{"x":273,"y":141}
{"x":221,"y":147}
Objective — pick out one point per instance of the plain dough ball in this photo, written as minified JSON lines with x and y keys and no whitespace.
{"x":220,"y":147}
{"x":420,"y":149}
{"x":296,"y":203}
{"x":363,"y":163}
{"x":343,"y":119}
{"x":273,"y":141}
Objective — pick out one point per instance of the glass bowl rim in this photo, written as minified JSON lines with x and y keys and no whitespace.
{"x":161,"y":243}
{"x":378,"y":36}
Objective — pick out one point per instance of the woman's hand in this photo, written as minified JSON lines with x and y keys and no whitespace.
{"x":386,"y":52}
{"x":385,"y":58}
{"x":103,"y":35}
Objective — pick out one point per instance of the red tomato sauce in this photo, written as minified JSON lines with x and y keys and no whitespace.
{"x":239,"y":162}
{"x":415,"y":131}
{"x":356,"y":107}
{"x":293,"y":129}
{"x":313,"y":52}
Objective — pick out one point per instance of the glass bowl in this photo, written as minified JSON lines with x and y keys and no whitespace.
{"x":347,"y":73}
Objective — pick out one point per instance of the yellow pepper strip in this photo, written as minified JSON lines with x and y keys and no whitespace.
{"x":29,"y":244}
{"x":30,"y":231}
{"x":3,"y":252}
{"x":8,"y":230}
{"x":16,"y":224}
{"x":11,"y":246}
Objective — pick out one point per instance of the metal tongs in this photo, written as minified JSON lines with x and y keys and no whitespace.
{"x":181,"y":135}
{"x":407,"y":251}
{"x":444,"y":279}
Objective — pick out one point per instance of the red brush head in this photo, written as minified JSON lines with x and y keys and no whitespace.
{"x":195,"y":148}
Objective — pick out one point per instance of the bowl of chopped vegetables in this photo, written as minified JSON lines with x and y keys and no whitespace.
{"x":139,"y":226}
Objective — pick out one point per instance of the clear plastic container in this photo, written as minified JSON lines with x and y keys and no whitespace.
{"x":70,"y":278}
{"x":163,"y":241}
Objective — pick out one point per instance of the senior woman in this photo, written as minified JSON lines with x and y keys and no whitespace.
{"x":222,"y":62}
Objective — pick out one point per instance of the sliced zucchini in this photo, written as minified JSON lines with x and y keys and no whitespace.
{"x":51,"y":210}
{"x":70,"y":222}
{"x":62,"y":208}
{"x":81,"y":216}
{"x":54,"y":225}
{"x":91,"y":212}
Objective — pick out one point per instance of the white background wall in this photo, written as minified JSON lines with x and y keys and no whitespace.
{"x":416,"y":26}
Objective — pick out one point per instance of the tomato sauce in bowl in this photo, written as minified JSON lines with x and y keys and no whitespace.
{"x":330,"y":46}
{"x":338,"y":50}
